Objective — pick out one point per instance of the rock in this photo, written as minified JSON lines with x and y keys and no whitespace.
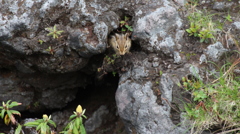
{"x":194,"y":71}
{"x":221,"y":6}
{"x":156,"y":31}
{"x":61,"y":118}
{"x":138,"y":108}
{"x":177,"y":57}
{"x":215,"y":51}
{"x":97,"y":119}
{"x":203,"y":59}
{"x":11,"y":88}
{"x":137,"y":104}
{"x":237,"y":25}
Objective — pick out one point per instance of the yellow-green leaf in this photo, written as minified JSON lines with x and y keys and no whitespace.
{"x":6,"y":119}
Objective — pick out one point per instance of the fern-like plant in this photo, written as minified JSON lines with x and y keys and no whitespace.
{"x":53,"y":32}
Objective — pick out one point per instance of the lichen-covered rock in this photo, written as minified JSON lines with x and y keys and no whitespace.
{"x":137,"y":105}
{"x":159,"y":31}
{"x":215,"y":51}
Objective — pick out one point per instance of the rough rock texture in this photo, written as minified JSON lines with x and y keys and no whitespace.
{"x":215,"y":51}
{"x":97,"y":119}
{"x":139,"y":106}
{"x":46,"y":73}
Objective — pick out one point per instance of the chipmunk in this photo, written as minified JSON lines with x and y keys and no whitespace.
{"x":120,"y":43}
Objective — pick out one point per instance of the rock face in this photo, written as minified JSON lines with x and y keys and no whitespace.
{"x":43,"y":72}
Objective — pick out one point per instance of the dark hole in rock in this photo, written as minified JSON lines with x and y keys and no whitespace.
{"x":135,"y":47}
{"x":92,"y":97}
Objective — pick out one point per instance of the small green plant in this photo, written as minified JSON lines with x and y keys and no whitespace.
{"x":42,"y":125}
{"x":205,"y":34}
{"x":193,"y":30}
{"x":124,"y":25}
{"x":40,"y":41}
{"x":202,"y":26}
{"x":53,"y":32}
{"x":189,"y":55}
{"x":50,"y":50}
{"x":228,"y":18}
{"x":114,"y":73}
{"x":75,"y":126}
{"x":36,"y":104}
{"x":111,"y":60}
{"x":160,"y":73}
{"x":9,"y":117}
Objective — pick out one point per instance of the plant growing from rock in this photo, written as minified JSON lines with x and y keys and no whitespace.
{"x":75,"y":126}
{"x":53,"y":32}
{"x":111,"y":60}
{"x":214,"y":105}
{"x":9,"y":116}
{"x":124,"y":25}
{"x":40,"y":41}
{"x":50,"y":50}
{"x":42,"y":125}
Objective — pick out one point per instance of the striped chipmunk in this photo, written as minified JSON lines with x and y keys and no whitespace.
{"x":120,"y":43}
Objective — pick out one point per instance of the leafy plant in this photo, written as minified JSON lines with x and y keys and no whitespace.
{"x":228,"y":17}
{"x":114,"y":73}
{"x":18,"y":129}
{"x":202,"y":26}
{"x":40,"y":41}
{"x":50,"y":50}
{"x":75,"y":126}
{"x":205,"y":34}
{"x":42,"y":125}
{"x":53,"y":31}
{"x":111,"y":60}
{"x":124,"y":25}
{"x":160,"y":73}
{"x":188,"y":55}
{"x":193,"y":30}
{"x":9,"y":117}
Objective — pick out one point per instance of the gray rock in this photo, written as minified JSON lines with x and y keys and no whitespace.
{"x":203,"y":59}
{"x":61,"y":118}
{"x":137,"y":104}
{"x":222,"y":5}
{"x":56,"y":98}
{"x":97,"y":119}
{"x":194,"y":71}
{"x":138,"y":108}
{"x":153,"y":29}
{"x":11,"y":90}
{"x":177,"y":57}
{"x":236,"y":24}
{"x":215,"y":51}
